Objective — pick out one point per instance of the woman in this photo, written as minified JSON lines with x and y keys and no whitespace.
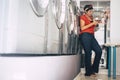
{"x":88,"y":41}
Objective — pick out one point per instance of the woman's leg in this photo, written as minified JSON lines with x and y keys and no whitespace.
{"x":86,"y":42}
{"x":98,"y":52}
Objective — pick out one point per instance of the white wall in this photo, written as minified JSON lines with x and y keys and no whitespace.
{"x":115,"y":27}
{"x":115,"y":21}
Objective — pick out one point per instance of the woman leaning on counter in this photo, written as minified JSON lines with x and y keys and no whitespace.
{"x":88,"y":41}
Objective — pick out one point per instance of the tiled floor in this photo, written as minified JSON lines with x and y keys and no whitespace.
{"x":101,"y":76}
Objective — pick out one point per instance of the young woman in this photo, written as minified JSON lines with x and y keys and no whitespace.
{"x":88,"y":41}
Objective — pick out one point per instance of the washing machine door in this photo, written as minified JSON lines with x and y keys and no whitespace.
{"x":71,"y":16}
{"x":58,"y":9}
{"x":72,"y":27}
{"x":39,"y":6}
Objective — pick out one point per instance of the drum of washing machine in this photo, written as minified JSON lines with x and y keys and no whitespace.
{"x":39,"y":6}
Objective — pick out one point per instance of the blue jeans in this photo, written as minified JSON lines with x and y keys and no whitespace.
{"x":89,"y":43}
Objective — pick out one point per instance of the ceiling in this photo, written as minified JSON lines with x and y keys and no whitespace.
{"x":99,"y":6}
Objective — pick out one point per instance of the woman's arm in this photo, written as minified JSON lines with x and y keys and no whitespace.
{"x":83,"y":26}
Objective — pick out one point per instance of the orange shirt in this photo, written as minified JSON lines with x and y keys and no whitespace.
{"x":87,"y":21}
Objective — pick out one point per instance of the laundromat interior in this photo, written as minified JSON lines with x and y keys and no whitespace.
{"x":39,"y":39}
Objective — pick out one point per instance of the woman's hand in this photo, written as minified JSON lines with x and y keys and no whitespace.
{"x":95,"y":22}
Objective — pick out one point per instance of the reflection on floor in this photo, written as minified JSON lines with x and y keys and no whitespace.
{"x":101,"y":76}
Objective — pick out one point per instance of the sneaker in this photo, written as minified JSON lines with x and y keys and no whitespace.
{"x":87,"y":74}
{"x":93,"y":75}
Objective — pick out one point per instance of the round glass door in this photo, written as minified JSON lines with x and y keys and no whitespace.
{"x":39,"y":6}
{"x":58,"y":9}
